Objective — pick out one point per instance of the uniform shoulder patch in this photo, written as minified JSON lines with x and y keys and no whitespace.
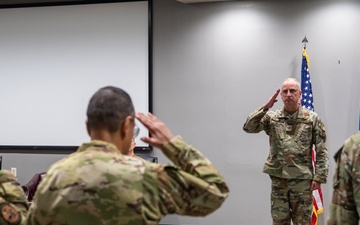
{"x":9,"y":214}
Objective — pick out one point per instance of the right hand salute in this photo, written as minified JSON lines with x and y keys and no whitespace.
{"x":271,"y":100}
{"x":160,"y":134}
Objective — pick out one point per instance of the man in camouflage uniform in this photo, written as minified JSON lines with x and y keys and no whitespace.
{"x":13,"y":203}
{"x":345,"y":206}
{"x":292,"y":130}
{"x":99,"y":184}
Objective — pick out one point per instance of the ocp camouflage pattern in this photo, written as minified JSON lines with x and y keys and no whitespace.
{"x":345,"y":206}
{"x":292,"y":138}
{"x":98,"y":185}
{"x":13,"y":202}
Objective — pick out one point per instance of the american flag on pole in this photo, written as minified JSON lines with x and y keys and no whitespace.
{"x":307,"y":102}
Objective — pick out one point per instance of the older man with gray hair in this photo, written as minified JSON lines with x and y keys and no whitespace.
{"x":293,"y":131}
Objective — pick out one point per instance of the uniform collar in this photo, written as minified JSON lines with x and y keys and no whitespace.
{"x":100,"y":145}
{"x":302,"y":113}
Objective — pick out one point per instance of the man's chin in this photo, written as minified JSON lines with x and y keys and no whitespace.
{"x":290,"y":104}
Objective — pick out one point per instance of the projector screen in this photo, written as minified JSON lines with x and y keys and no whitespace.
{"x":54,"y":58}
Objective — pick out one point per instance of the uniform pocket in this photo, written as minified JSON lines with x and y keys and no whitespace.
{"x":305,"y":134}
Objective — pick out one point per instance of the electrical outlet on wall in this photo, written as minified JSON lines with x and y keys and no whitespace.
{"x":13,"y":171}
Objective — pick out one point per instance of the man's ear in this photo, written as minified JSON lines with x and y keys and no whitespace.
{"x":126,"y":127}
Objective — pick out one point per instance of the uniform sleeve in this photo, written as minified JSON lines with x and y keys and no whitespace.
{"x":257,"y":121}
{"x":13,"y":202}
{"x":345,"y":205}
{"x":192,"y":187}
{"x":322,"y":159}
{"x":353,"y":169}
{"x":356,"y":183}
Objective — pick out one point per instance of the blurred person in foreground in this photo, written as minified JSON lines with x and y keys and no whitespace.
{"x":345,"y":205}
{"x":100,"y":184}
{"x":13,"y":202}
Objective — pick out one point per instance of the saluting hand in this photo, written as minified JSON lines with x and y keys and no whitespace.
{"x":159,"y":133}
{"x":271,"y":100}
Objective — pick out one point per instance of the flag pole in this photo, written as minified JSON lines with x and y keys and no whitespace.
{"x":305,"y":40}
{"x":307,"y":102}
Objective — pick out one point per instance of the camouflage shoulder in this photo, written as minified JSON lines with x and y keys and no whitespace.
{"x":356,"y":138}
{"x":306,"y":110}
{"x":6,"y":176}
{"x":352,"y":144}
{"x":307,"y":113}
{"x":11,"y":190}
{"x":139,"y":158}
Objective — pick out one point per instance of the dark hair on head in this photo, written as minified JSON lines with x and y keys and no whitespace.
{"x":108,"y":108}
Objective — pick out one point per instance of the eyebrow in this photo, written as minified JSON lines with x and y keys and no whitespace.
{"x":291,"y":90}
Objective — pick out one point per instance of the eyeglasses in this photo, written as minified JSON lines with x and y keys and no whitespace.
{"x":136,"y":131}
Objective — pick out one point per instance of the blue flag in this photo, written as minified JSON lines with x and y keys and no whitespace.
{"x":306,"y":88}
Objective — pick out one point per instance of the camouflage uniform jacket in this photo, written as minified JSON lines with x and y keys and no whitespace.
{"x":98,"y":185}
{"x":291,"y":140}
{"x":13,"y":202}
{"x":345,"y":206}
{"x":139,"y":158}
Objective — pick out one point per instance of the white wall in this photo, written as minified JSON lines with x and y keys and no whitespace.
{"x":214,"y":63}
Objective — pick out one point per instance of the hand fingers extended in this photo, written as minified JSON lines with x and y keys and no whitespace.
{"x":276,"y":94}
{"x":143,"y":119}
{"x":150,"y":121}
{"x":159,"y":133}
